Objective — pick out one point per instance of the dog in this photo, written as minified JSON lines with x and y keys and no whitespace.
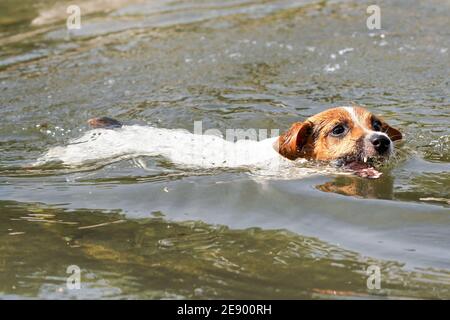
{"x":350,"y":137}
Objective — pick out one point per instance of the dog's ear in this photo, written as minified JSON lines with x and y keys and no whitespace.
{"x":292,"y":144}
{"x":393,"y":133}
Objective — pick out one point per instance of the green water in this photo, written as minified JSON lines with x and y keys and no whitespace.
{"x":160,"y":231}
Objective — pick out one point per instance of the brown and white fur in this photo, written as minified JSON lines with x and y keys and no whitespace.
{"x":349,"y":136}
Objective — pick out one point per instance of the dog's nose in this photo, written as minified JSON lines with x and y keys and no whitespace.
{"x":380,"y":143}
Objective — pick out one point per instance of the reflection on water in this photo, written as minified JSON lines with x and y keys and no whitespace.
{"x":153,"y":258}
{"x":146,"y":228}
{"x":357,"y":187}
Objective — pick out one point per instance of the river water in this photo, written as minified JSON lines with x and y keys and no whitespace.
{"x":143,"y":227}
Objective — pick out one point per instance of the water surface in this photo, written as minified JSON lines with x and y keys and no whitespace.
{"x":146,"y":228}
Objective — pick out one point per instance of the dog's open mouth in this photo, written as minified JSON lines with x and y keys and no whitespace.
{"x":362,"y":167}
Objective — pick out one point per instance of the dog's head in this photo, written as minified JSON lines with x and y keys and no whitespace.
{"x":349,"y":135}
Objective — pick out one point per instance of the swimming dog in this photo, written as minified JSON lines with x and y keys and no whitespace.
{"x":351,"y":137}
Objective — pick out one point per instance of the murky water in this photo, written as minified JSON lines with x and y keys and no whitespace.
{"x":146,"y":228}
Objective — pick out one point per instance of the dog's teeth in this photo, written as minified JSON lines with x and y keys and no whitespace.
{"x":365,"y":159}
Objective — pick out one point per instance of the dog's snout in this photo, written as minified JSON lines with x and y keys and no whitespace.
{"x":381,"y":143}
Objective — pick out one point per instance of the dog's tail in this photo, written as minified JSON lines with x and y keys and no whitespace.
{"x":104,"y":122}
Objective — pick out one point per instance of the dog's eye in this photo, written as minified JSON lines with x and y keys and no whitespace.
{"x":376,"y":125}
{"x":339,"y":130}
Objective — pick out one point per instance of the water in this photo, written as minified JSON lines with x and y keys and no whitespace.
{"x":144,"y":227}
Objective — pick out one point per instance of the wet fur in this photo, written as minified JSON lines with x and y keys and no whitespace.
{"x":311,"y":139}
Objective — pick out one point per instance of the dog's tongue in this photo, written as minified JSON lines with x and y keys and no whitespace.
{"x":363,"y":170}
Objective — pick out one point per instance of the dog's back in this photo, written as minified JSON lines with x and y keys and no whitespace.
{"x":179,"y":146}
